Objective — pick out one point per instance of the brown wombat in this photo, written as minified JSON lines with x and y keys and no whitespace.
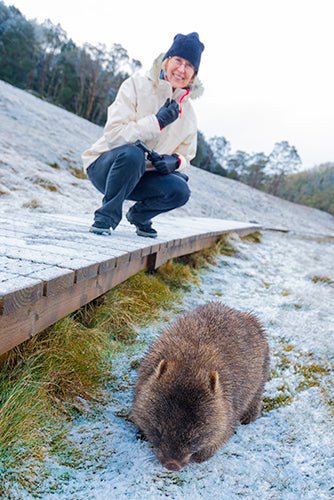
{"x":201,"y":377}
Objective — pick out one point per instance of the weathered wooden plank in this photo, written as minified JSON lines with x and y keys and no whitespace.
{"x":19,"y":267}
{"x":19,"y":291}
{"x":94,"y":249}
{"x":188,"y":246}
{"x":84,"y":268}
{"x":5,"y":276}
{"x":54,"y":279}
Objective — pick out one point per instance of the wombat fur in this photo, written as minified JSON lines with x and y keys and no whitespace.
{"x":202,"y":376}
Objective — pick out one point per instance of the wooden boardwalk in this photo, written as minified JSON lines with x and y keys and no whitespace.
{"x":51,"y":265}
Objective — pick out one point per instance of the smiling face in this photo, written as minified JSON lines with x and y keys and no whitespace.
{"x":180,"y":72}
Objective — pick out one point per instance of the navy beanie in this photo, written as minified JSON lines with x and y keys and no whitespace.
{"x":188,"y":47}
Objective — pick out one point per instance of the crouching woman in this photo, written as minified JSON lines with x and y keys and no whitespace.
{"x":156,"y":110}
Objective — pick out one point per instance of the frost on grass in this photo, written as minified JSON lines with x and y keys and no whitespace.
{"x":287,"y":452}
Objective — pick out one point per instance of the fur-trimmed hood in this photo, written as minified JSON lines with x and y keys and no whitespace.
{"x":196,"y":89}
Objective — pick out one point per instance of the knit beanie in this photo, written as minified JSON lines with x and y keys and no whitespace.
{"x":188,"y":47}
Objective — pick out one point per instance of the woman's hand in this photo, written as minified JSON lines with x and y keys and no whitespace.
{"x":168,"y":113}
{"x":166,"y":164}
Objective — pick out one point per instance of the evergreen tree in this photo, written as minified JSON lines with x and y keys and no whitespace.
{"x":19,"y":50}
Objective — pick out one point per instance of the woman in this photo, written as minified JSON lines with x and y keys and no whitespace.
{"x":155,"y":109}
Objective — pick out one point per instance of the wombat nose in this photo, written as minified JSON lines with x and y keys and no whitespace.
{"x":172,"y":465}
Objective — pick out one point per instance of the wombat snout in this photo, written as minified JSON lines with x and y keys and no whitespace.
{"x":173,"y":465}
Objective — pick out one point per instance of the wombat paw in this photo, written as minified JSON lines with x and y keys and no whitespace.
{"x":140,"y":436}
{"x":249,"y":417}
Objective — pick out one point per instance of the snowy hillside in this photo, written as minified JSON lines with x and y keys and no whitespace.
{"x":40,"y":169}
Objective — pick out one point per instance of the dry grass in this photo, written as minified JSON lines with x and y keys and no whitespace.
{"x":322,"y":279}
{"x":255,"y":237}
{"x":78,"y":172}
{"x":33,"y":203}
{"x":134,"y":302}
{"x":55,"y":166}
{"x":177,"y":274}
{"x":42,"y":380}
{"x":45,"y":184}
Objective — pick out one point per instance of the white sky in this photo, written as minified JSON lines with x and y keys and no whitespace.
{"x":267,"y":67}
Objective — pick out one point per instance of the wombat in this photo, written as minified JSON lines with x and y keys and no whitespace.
{"x":201,"y":377}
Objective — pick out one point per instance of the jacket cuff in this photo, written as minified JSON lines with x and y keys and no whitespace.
{"x":182,"y":163}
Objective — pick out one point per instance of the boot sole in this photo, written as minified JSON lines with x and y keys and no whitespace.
{"x":140,"y":232}
{"x":99,"y":230}
{"x":145,"y":235}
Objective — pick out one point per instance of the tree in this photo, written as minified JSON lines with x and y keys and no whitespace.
{"x":51,"y":39}
{"x":254,"y":171}
{"x":236,"y":164}
{"x":283,"y":160}
{"x":204,"y":158}
{"x":42,"y":58}
{"x":63,"y":87}
{"x":19,"y":50}
{"x":221,"y":149}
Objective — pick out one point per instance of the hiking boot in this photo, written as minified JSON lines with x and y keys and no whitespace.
{"x":99,"y":230}
{"x":145,"y":230}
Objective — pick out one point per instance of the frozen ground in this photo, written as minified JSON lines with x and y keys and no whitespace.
{"x":288,"y":453}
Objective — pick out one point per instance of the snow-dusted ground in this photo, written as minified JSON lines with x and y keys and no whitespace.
{"x":288,"y":452}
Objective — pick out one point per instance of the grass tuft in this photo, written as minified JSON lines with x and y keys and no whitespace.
{"x":177,"y":274}
{"x":224,"y":247}
{"x":322,"y":279}
{"x":209,"y":256}
{"x":134,"y":302}
{"x":255,"y":237}
{"x":54,"y":165}
{"x":42,"y":382}
{"x":45,"y":184}
{"x":33,"y":203}
{"x":270,"y":404}
{"x":78,"y":172}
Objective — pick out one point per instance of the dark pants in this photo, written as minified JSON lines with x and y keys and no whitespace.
{"x":120,"y":175}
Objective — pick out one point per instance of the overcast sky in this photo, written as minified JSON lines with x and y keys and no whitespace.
{"x":267,"y":67}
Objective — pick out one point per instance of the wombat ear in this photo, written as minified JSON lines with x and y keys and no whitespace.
{"x":161,"y":368}
{"x":214,"y":381}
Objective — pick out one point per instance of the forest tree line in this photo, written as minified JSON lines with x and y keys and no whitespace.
{"x":314,"y":187}
{"x":41,"y":58}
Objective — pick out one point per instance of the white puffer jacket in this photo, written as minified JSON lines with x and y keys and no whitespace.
{"x":132,"y":116}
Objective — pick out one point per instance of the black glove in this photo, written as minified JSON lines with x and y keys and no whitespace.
{"x":153,"y":156}
{"x":168,"y":113}
{"x":167,"y":164}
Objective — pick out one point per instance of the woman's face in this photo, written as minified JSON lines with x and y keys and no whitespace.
{"x":180,"y":72}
